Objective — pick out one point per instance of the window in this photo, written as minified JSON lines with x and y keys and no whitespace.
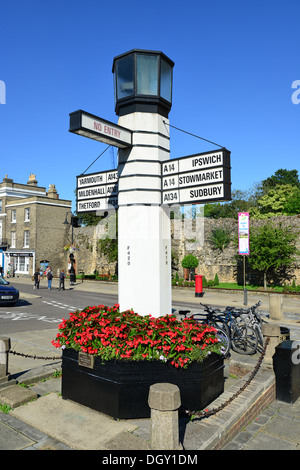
{"x":13,"y":215}
{"x":26,"y":238}
{"x":27,"y":214}
{"x":21,"y":266}
{"x":13,"y":240}
{"x":0,"y":205}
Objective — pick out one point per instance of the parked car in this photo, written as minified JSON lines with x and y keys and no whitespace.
{"x":8,"y":294}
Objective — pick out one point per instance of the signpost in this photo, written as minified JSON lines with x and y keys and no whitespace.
{"x":182,"y":182}
{"x":197,"y":178}
{"x":147,"y":182}
{"x":97,"y":191}
{"x":96,"y":128}
{"x":243,"y":237}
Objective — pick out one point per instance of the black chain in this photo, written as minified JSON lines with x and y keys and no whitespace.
{"x":206,"y":414}
{"x":195,"y":414}
{"x":15,"y":353}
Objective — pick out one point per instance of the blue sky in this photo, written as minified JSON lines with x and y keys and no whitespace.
{"x":235,"y":62}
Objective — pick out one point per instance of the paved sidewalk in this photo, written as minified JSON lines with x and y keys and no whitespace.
{"x":276,"y":428}
{"x":49,"y":422}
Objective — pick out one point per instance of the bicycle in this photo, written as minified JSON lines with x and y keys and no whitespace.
{"x":210,"y":321}
{"x":243,"y":336}
{"x":254,"y":319}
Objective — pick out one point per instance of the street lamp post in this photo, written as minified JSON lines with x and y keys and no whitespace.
{"x":74,"y":223}
{"x":68,"y":223}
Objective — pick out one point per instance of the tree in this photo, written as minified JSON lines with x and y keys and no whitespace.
{"x":219,"y":238}
{"x":90,"y":219}
{"x":189,"y":262}
{"x":273,"y":203}
{"x":272,"y":249}
{"x":241,"y":201}
{"x":292,"y":203}
{"x":282,"y":177}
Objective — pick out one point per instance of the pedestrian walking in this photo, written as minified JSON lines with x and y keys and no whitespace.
{"x":37,"y":279}
{"x":49,"y":277}
{"x":1,"y":271}
{"x":62,"y":280}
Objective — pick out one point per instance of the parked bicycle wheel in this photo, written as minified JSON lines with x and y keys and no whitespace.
{"x":244,"y":339}
{"x":224,"y":340}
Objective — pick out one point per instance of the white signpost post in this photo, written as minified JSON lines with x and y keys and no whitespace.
{"x":147,"y":182}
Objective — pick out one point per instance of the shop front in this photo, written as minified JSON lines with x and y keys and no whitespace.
{"x":19,"y":263}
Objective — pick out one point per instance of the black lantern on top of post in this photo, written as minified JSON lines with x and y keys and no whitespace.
{"x":143,"y":82}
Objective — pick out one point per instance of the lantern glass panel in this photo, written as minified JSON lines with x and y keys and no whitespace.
{"x":147,"y":74}
{"x":166,"y":81}
{"x":125,"y":77}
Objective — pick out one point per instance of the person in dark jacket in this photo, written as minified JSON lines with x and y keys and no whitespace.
{"x":37,"y":279}
{"x":49,"y":277}
{"x":62,"y":280}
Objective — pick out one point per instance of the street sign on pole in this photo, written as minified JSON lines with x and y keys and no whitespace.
{"x":97,"y":191}
{"x":96,"y":128}
{"x":196,"y":179}
{"x":243,"y":233}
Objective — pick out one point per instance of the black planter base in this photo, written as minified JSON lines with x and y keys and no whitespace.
{"x":120,"y":388}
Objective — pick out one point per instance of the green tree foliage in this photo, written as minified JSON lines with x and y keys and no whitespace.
{"x":108,"y":245}
{"x":272,"y":250}
{"x":281,"y":177}
{"x":277,"y":195}
{"x":275,"y":202}
{"x":292,"y":203}
{"x":219,"y":238}
{"x":190,"y":261}
{"x":90,"y":219}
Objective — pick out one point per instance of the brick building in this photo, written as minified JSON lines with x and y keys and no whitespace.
{"x":32,"y":232}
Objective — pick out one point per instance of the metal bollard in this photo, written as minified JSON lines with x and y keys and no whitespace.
{"x":4,"y":348}
{"x":164,"y":401}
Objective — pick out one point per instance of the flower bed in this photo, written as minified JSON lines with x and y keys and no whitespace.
{"x":111,"y":334}
{"x":111,"y":358}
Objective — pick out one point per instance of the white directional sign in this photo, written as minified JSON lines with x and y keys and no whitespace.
{"x":97,"y":191}
{"x":197,"y":178}
{"x":194,"y":179}
{"x":96,"y":128}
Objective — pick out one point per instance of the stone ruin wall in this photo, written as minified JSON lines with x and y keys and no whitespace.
{"x":211,"y":261}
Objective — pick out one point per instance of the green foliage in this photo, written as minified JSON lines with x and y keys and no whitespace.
{"x":277,"y":195}
{"x":90,"y":219}
{"x":292,"y":203}
{"x":5,"y":408}
{"x":109,"y":245}
{"x":216,"y":280}
{"x":274,"y":202}
{"x":219,"y":239}
{"x":281,"y":177}
{"x":272,"y":249}
{"x":189,"y":261}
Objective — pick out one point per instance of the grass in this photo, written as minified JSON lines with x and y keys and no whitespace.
{"x":235,"y":285}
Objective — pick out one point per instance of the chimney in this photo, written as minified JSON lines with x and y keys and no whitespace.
{"x":52,"y":192}
{"x":7,"y":180}
{"x":32,"y":180}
